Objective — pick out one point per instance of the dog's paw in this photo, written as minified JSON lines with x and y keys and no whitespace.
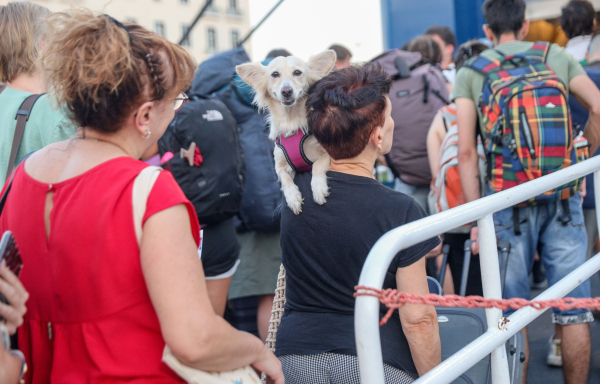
{"x":320,"y":189}
{"x":294,"y":200}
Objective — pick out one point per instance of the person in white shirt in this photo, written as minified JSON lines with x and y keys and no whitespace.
{"x":578,"y":20}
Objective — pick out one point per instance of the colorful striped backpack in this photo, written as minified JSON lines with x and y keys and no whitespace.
{"x":526,"y":123}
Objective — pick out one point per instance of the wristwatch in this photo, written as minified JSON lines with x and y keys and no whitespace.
{"x":19,"y":354}
{"x":15,"y":352}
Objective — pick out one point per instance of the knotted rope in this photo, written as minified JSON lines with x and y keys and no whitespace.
{"x":394,"y":299}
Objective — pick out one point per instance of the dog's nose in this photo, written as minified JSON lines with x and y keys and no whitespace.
{"x":287,"y":92}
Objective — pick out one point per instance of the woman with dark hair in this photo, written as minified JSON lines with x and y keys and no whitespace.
{"x":325,"y":247}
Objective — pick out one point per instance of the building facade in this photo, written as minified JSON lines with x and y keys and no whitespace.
{"x":221,"y":27}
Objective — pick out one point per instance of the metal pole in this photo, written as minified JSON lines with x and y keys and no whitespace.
{"x":200,"y":14}
{"x":466,"y":266}
{"x":260,"y":22}
{"x":492,"y":289}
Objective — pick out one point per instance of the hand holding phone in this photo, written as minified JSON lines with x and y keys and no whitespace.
{"x":12,"y":293}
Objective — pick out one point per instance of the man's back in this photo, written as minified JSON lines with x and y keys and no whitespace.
{"x":469,"y":83}
{"x":46,"y":125}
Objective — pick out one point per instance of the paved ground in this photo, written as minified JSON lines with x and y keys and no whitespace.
{"x":540,"y":331}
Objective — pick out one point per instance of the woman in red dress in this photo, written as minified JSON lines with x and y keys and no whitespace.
{"x":102,"y":308}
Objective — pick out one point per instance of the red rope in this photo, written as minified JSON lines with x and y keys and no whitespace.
{"x":394,"y":299}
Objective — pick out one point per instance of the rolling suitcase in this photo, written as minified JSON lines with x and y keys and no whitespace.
{"x":459,"y":327}
{"x":515,"y":352}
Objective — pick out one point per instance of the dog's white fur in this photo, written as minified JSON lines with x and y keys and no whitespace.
{"x":288,"y":114}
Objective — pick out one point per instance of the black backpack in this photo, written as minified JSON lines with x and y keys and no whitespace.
{"x":216,"y":186}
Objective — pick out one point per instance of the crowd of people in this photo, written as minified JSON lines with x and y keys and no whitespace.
{"x":88,"y":102}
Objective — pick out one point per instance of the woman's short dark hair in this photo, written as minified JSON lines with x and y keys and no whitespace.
{"x":346,"y":106}
{"x":577,"y":18}
{"x":504,"y":16}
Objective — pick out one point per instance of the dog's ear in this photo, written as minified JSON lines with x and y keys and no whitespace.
{"x":321,"y":64}
{"x":253,"y":74}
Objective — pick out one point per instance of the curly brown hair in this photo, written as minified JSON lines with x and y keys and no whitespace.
{"x":103,"y":70}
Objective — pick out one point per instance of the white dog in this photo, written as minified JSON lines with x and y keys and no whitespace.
{"x":281,"y":87}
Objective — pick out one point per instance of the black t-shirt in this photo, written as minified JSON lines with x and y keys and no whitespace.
{"x":324,"y":249}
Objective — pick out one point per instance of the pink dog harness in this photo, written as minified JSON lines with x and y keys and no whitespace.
{"x":293,"y":149}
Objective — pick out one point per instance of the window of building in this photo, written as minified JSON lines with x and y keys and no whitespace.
{"x":159,"y":27}
{"x":131,"y":20}
{"x":183,"y":1}
{"x":188,"y":41}
{"x":233,"y":8}
{"x":211,"y":34}
{"x":235,"y":38}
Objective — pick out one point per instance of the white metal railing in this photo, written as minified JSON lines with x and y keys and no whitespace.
{"x":366,"y":313}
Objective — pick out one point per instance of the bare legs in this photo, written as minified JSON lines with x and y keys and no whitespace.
{"x":265,"y":304}
{"x":576,"y":350}
{"x":217,"y":292}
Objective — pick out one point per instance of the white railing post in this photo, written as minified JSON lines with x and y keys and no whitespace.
{"x":492,"y":289}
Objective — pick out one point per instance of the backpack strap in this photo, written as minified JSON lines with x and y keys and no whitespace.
{"x":535,"y":55}
{"x":22,"y":117}
{"x":142,"y":186}
{"x":538,"y":52}
{"x":482,"y":64}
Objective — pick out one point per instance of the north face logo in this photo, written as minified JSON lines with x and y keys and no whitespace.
{"x":212,"y":115}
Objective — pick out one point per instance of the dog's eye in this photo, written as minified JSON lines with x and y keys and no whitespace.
{"x":297,"y":73}
{"x":275,"y":74}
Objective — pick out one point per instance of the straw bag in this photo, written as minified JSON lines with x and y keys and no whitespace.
{"x":141,"y":189}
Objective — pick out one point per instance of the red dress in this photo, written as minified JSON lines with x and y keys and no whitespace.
{"x":89,"y":316}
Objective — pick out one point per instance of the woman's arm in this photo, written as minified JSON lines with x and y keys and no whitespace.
{"x":435,"y":137}
{"x":175,"y":281}
{"x":10,"y":367}
{"x":419,"y":322}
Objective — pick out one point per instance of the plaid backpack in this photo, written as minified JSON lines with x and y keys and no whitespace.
{"x":526,"y":123}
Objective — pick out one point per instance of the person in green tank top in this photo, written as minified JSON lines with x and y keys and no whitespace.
{"x":22,"y":77}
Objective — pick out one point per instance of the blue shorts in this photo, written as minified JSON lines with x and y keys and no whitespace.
{"x":562,"y":249}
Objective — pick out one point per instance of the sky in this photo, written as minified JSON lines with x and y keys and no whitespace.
{"x":307,"y":27}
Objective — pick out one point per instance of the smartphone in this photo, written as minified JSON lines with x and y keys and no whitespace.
{"x":11,"y":255}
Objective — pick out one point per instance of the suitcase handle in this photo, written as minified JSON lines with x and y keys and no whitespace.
{"x":503,"y":254}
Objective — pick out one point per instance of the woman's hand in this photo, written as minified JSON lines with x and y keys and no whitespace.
{"x":271,"y":366}
{"x":16,"y":295}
